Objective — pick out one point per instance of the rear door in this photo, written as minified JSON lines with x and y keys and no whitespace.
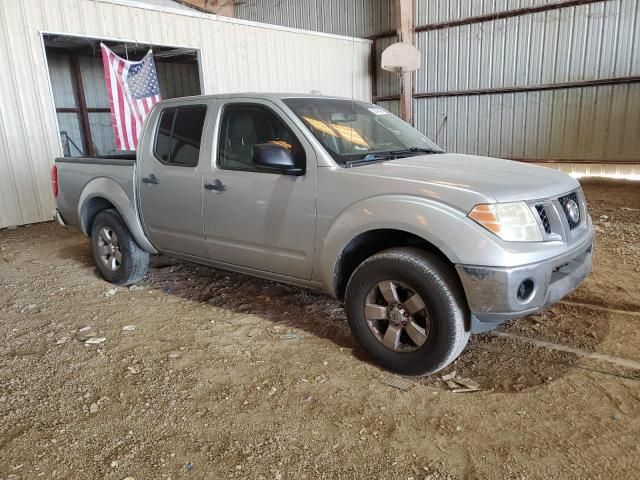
{"x":257,"y":218}
{"x":170,"y":179}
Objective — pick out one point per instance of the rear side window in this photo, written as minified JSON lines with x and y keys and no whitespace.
{"x":162,"y":148}
{"x":179,"y":135}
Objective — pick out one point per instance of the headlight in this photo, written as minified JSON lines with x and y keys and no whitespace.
{"x":512,"y":222}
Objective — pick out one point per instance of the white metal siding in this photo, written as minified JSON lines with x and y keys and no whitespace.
{"x":589,"y":42}
{"x":236,"y":56}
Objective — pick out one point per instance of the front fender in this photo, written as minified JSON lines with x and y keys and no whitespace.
{"x":111,"y":191}
{"x":457,"y":237}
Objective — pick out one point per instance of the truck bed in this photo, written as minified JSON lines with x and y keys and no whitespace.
{"x":75,"y":173}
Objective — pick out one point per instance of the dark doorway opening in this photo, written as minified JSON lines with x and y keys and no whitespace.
{"x":79,"y":91}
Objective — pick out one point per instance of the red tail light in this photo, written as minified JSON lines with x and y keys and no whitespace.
{"x":54,"y":180}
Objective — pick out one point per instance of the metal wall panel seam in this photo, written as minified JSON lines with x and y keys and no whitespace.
{"x":612,"y":90}
{"x":580,"y":121}
{"x":35,"y":211}
{"x":540,"y":77}
{"x":45,"y":194}
{"x":635,"y":37}
{"x":6,"y":217}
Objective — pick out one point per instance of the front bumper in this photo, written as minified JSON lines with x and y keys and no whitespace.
{"x":493,"y":293}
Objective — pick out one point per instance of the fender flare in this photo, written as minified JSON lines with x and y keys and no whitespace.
{"x":441,"y":225}
{"x":109,"y":190}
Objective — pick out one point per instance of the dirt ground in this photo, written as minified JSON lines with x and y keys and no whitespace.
{"x":227,"y":376}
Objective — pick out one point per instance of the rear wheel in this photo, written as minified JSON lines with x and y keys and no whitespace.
{"x":406,"y":308}
{"x":118,"y":257}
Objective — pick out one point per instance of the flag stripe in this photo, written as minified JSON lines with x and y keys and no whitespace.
{"x":111,"y":89}
{"x":118,"y":66}
{"x":126,"y":112}
{"x":133,"y":90}
{"x":118,"y":102}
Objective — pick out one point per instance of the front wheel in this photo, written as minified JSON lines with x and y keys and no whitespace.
{"x":118,"y":257}
{"x":406,"y":308}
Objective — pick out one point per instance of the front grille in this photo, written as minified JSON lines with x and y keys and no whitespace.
{"x":542,"y":213}
{"x":565,"y":201}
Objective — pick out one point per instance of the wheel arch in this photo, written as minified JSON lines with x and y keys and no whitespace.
{"x":102,"y":194}
{"x":368,"y":244}
{"x":436,"y":226}
{"x":386,"y":222}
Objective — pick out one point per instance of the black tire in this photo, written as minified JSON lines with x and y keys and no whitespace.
{"x":134,"y":261}
{"x":439,"y":287}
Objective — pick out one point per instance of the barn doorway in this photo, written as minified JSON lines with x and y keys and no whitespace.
{"x":80,"y":96}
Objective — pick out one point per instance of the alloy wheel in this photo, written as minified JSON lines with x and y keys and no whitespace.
{"x":397,"y":316}
{"x":109,"y":249}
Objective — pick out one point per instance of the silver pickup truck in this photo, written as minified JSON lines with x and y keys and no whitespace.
{"x":424,"y":247}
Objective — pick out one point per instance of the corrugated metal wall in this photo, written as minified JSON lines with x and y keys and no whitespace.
{"x":591,"y":42}
{"x":436,"y":11}
{"x":235,"y":57}
{"x":358,"y":18}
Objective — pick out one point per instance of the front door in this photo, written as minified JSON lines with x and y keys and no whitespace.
{"x":170,"y":181}
{"x":254,"y":217}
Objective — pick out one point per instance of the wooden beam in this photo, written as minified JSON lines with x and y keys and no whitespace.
{"x":373,"y":70}
{"x":404,"y":29}
{"x":82,"y":104}
{"x":542,"y":87}
{"x":217,"y":7}
{"x":404,"y":20}
{"x":490,"y":17}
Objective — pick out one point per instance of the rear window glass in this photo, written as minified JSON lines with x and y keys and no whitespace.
{"x":163,"y":137}
{"x":179,"y":135}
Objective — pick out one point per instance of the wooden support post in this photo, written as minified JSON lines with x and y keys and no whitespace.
{"x":373,"y":71}
{"x":404,"y":29}
{"x":225,"y":8}
{"x":87,"y":140}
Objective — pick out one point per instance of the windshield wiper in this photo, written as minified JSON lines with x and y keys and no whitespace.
{"x":372,"y":157}
{"x":389,"y":155}
{"x":413,"y":150}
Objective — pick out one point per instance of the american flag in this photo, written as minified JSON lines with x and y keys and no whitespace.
{"x":133,"y":89}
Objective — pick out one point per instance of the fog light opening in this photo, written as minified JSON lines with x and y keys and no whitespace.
{"x":525,"y":290}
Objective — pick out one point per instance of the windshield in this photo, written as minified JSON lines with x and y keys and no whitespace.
{"x":357,"y":132}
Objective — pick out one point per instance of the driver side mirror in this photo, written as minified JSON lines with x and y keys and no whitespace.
{"x":275,"y":157}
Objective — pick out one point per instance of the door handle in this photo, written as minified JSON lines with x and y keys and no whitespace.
{"x":216,"y":185}
{"x":152,"y":179}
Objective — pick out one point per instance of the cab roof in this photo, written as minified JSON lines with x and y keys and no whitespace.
{"x":261,"y":95}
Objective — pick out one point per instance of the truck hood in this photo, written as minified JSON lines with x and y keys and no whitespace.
{"x":493,"y":178}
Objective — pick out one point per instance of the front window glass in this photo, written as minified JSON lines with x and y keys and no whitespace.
{"x":245,"y":125}
{"x":356,"y":131}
